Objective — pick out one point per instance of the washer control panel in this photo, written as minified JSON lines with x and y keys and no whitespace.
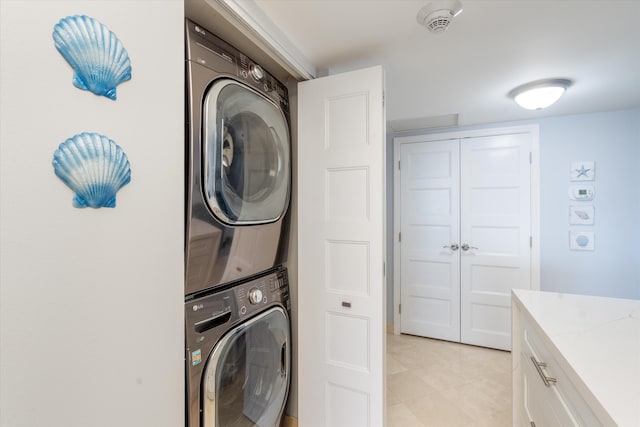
{"x":256,"y":294}
{"x":210,"y":314}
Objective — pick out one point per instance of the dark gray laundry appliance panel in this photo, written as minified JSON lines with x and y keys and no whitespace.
{"x":238,"y":353}
{"x":238,"y":158}
{"x":204,"y":48}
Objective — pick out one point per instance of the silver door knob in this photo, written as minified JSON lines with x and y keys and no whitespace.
{"x":466,"y":247}
{"x":453,"y":247}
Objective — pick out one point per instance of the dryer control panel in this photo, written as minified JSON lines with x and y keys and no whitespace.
{"x":255,"y":75}
{"x":208,"y":50}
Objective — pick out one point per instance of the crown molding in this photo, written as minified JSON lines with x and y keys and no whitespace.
{"x":247,"y":17}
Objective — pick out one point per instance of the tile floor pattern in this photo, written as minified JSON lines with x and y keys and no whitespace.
{"x":432,"y":383}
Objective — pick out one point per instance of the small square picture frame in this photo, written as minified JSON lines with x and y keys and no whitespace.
{"x":583,"y":171}
{"x":581,"y":214}
{"x":582,"y":241}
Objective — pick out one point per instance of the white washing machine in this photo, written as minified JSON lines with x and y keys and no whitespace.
{"x":238,"y":162}
{"x":238,"y":353}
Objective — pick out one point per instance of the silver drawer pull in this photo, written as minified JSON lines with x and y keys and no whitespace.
{"x":545,"y":379}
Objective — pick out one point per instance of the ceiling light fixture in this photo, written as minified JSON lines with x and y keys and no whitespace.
{"x":437,"y":16}
{"x":539,"y":94}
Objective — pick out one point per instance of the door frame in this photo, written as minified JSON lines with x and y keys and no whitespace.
{"x":534,"y":130}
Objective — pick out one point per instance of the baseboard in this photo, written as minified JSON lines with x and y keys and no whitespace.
{"x":289,"y":421}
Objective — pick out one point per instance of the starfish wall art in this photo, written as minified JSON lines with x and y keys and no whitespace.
{"x":583,"y":171}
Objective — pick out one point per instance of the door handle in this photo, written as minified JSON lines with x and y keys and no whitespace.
{"x":453,"y":247}
{"x":545,"y":379}
{"x":283,"y":360}
{"x":466,"y":247}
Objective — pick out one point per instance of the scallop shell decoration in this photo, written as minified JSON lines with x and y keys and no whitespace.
{"x":94,"y":167}
{"x":99,"y":60}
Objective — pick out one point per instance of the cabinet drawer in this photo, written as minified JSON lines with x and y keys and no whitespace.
{"x":556,"y":403}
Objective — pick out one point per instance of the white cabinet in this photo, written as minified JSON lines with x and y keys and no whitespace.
{"x":573,"y":362}
{"x":548,"y":398}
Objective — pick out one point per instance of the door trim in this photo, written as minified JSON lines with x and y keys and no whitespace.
{"x":534,"y":130}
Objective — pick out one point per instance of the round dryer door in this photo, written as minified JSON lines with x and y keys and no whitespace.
{"x":246,"y":380}
{"x":247,"y":169}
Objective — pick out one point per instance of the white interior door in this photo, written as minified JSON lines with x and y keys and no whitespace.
{"x":341,"y":234}
{"x":465,"y":221}
{"x":495,"y":249}
{"x":430,"y":235}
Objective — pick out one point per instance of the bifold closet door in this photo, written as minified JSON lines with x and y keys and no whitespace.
{"x":341,"y":241}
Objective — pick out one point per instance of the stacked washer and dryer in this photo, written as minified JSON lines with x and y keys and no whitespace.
{"x":237,"y":325}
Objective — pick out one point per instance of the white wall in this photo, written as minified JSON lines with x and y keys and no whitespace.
{"x":91,"y":323}
{"x":612,"y":140}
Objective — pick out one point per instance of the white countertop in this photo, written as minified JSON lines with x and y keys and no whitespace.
{"x":600,"y":339}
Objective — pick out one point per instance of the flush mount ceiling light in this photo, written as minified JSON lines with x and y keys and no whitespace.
{"x":539,"y":94}
{"x":437,"y":16}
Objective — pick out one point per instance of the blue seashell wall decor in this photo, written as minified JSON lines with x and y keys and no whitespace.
{"x":99,"y":60}
{"x":94,"y":167}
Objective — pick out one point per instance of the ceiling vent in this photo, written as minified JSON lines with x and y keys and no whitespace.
{"x":438,"y":15}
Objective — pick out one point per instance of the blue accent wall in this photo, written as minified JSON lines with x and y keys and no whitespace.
{"x":612,"y":141}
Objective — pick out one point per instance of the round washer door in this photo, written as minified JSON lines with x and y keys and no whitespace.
{"x":246,"y":380}
{"x":246,"y":155}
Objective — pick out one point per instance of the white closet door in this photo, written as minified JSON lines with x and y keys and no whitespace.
{"x":473,"y":195}
{"x":430,"y":236}
{"x":341,"y":291}
{"x":496,"y":225}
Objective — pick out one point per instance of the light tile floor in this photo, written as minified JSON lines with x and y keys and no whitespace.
{"x":432,"y":383}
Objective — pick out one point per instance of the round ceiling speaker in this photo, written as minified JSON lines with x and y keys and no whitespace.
{"x":438,"y":15}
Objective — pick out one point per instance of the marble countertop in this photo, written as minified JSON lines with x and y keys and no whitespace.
{"x":600,"y":339}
